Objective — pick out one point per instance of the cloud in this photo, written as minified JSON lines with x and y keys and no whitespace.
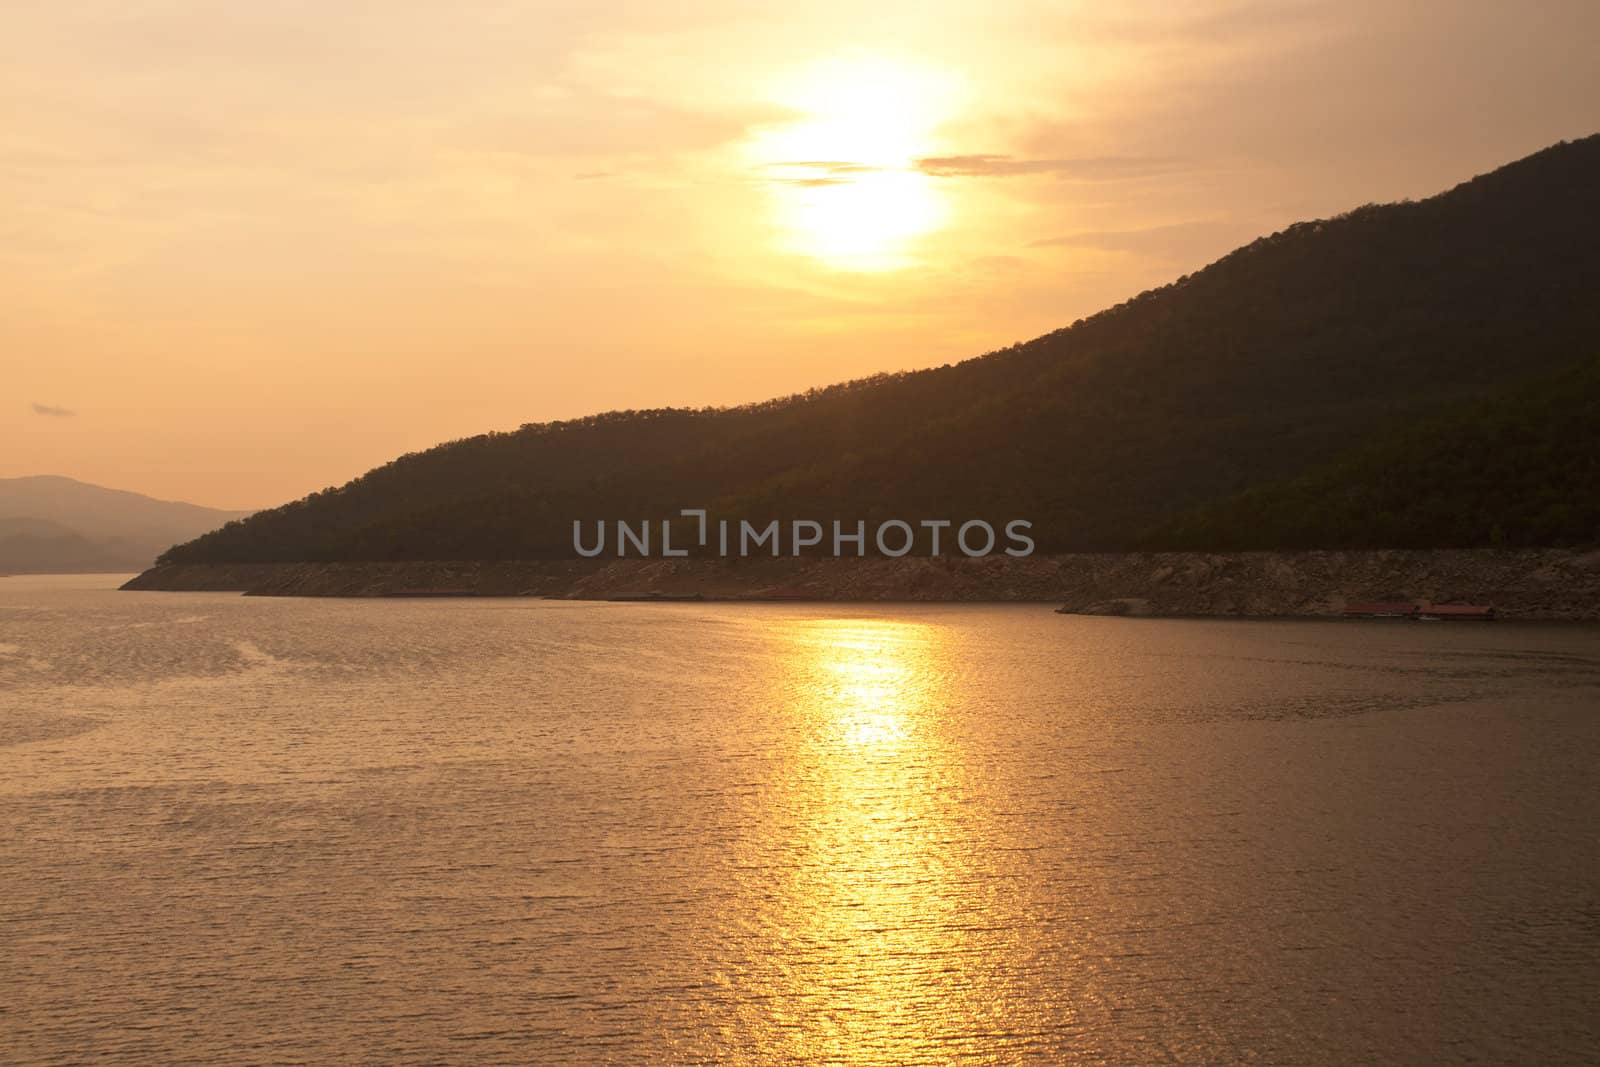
{"x":577,"y":121}
{"x":810,"y":183}
{"x":818,"y":173}
{"x":1177,"y":239}
{"x":1090,"y":168}
{"x":1206,"y":24}
{"x":52,"y":411}
{"x":831,"y":166}
{"x":999,"y":264}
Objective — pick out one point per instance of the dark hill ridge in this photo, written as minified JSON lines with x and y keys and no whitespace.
{"x":1282,"y":358}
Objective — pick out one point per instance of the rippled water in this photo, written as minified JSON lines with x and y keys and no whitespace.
{"x":238,"y":830}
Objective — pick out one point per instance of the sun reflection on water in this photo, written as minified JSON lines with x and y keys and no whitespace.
{"x":870,"y":683}
{"x":880,"y":895}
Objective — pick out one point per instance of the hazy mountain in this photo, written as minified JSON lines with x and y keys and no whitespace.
{"x":1289,"y":363}
{"x":53,"y":524}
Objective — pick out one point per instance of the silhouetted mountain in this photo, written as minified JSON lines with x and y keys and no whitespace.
{"x":1301,"y":351}
{"x":53,"y":524}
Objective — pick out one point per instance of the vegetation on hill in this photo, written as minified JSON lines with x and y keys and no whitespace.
{"x":1138,"y":427}
{"x":1522,"y":470}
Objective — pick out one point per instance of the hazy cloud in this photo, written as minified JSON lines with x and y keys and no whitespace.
{"x":1090,"y":168}
{"x":999,"y":264}
{"x":52,"y":411}
{"x":1208,"y":24}
{"x":832,"y":166}
{"x":576,"y":121}
{"x":810,"y":183}
{"x":1178,"y":238}
{"x":818,"y":173}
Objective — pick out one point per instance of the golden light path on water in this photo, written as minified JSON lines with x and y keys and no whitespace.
{"x":888,"y":888}
{"x":845,"y":183}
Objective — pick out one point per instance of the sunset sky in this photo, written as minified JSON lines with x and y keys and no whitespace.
{"x":254,"y":248}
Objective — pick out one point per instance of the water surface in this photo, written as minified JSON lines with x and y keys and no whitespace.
{"x":241,"y":830}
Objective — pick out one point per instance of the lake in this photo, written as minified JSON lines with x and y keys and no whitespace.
{"x":251,"y":830}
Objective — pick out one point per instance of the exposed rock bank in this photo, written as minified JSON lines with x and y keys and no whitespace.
{"x":1540,"y":584}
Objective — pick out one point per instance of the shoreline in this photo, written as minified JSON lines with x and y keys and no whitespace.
{"x":1554,"y":584}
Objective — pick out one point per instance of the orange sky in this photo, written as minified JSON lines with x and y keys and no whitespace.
{"x":254,"y":248}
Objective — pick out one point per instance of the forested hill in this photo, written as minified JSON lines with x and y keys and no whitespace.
{"x":1319,"y":352}
{"x":1517,"y":471}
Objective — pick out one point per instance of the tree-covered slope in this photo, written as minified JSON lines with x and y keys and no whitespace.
{"x":1520,"y":470}
{"x":1275,"y":360}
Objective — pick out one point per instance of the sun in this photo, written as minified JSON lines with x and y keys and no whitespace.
{"x":843,"y":173}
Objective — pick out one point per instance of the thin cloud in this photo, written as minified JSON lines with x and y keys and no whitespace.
{"x":817,"y":173}
{"x":52,"y":411}
{"x":1090,"y":168}
{"x":810,"y":183}
{"x":1224,"y":24}
{"x":831,"y":166}
{"x":1176,"y":238}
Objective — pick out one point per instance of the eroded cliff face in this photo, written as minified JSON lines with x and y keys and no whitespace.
{"x":1542,"y":584}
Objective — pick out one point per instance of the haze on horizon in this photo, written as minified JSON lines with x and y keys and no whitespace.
{"x":254,"y":249}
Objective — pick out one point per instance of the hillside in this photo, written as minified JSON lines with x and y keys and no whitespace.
{"x":1518,"y":471}
{"x":1288,"y":356}
{"x":50,"y":524}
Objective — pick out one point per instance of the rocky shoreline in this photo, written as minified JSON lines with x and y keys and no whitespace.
{"x":1530,"y":584}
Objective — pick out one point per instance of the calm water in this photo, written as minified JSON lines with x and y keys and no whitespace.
{"x":239,"y":830}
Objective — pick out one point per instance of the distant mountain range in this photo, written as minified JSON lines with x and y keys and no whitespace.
{"x":50,"y":524}
{"x":1421,"y":374}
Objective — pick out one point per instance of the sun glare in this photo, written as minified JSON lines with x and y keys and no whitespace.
{"x":846,"y":188}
